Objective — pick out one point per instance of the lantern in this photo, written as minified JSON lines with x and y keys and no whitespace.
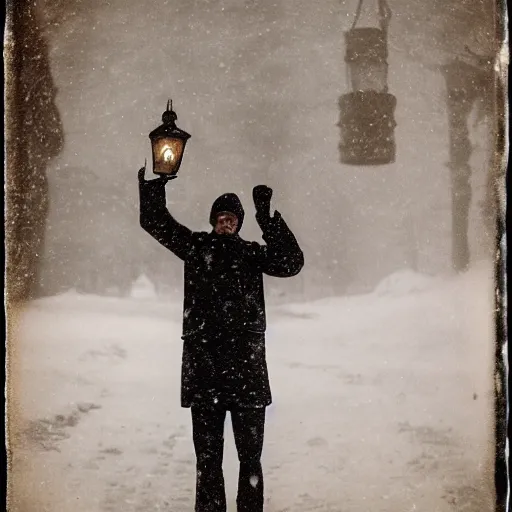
{"x":367,"y":120}
{"x":168,"y":144}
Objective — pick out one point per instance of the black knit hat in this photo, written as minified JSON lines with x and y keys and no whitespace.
{"x":227,"y":203}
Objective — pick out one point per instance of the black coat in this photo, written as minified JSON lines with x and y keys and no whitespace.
{"x":224,"y":305}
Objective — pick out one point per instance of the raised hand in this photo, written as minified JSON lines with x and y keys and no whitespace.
{"x":161,"y":180}
{"x":142,"y":174}
{"x":151,"y":192}
{"x":262,"y":195}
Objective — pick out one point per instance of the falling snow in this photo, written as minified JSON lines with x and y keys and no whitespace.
{"x":379,"y":358}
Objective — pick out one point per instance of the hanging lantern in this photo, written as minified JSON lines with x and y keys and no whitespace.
{"x":168,"y":144}
{"x":367,"y":121}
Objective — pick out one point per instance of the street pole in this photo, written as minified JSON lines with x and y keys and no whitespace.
{"x":463,"y":83}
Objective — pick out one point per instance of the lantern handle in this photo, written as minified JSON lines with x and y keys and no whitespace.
{"x":358,"y":14}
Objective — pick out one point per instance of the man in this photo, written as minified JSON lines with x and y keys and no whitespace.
{"x":224,"y":366}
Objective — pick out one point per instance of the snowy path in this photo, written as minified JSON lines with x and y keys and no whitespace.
{"x":381,"y":403}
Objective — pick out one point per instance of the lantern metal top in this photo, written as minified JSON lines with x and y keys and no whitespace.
{"x":168,"y":127}
{"x":169,"y":115}
{"x":366,"y":44}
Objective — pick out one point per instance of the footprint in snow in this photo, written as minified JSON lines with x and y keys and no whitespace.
{"x":317,"y":441}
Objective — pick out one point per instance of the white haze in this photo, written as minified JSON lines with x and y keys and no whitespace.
{"x":380,"y":367}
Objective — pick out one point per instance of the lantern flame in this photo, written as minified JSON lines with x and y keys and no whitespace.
{"x":168,"y":154}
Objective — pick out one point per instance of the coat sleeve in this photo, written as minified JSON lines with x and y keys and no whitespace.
{"x":281,"y":256}
{"x":156,"y":220}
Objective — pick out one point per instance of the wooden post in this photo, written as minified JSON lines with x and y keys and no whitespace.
{"x":463,"y":85}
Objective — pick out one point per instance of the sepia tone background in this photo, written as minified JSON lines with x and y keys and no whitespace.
{"x":257,"y":84}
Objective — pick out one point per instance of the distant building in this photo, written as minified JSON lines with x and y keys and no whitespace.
{"x":143,"y":288}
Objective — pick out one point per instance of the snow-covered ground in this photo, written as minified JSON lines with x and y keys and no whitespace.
{"x":382,"y":403}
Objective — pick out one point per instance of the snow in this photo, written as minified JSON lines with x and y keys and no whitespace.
{"x":143,"y":288}
{"x":403,"y":282}
{"x":382,"y":402}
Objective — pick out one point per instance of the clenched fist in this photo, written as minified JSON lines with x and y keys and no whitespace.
{"x":262,"y":195}
{"x":162,"y":180}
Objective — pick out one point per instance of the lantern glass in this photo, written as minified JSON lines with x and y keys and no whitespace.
{"x":167,"y":155}
{"x":368,"y":76}
{"x":367,"y":120}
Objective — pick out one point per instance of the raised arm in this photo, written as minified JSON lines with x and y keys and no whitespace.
{"x":156,"y":220}
{"x":281,"y":256}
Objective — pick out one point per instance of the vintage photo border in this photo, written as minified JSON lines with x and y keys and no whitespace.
{"x":501,"y":376}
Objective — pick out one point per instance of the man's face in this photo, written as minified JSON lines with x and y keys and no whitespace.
{"x":226,"y":223}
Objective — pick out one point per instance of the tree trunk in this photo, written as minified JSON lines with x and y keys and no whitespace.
{"x":460,"y":100}
{"x":33,"y":136}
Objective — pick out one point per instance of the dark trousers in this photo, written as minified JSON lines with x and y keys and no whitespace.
{"x":208,"y":435}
